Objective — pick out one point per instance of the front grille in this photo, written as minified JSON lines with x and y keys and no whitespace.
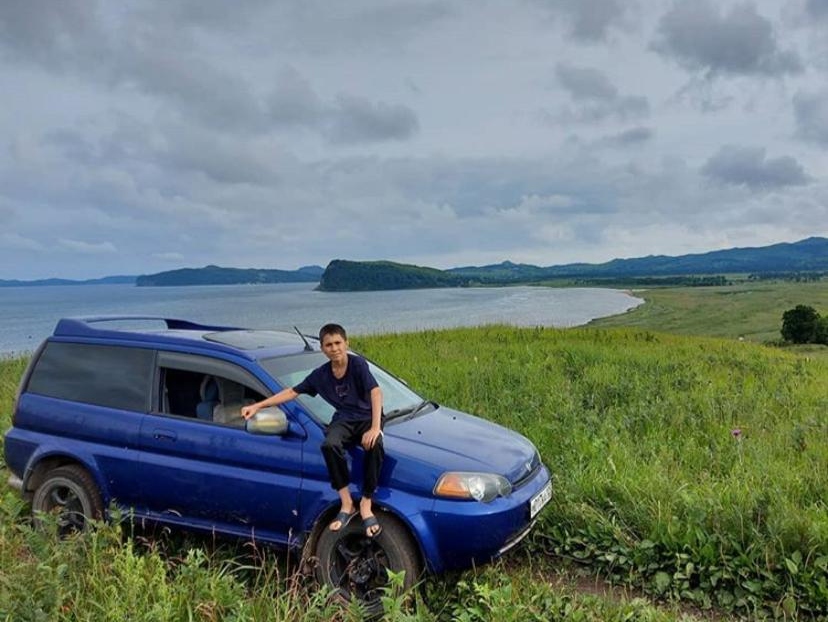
{"x":528,"y":474}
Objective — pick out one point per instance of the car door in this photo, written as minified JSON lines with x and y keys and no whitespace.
{"x":208,"y":471}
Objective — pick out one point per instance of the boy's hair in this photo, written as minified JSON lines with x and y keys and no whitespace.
{"x":332,"y":329}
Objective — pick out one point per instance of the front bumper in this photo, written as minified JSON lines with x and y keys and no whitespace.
{"x":460,"y":534}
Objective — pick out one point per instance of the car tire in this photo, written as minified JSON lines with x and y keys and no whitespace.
{"x":70,"y":493}
{"x":356,"y":566}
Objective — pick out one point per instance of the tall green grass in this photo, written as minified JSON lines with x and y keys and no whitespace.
{"x":105,"y":576}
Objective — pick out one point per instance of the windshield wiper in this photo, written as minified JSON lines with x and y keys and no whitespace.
{"x":422,"y":406}
{"x":408,"y":411}
{"x":397,"y":412}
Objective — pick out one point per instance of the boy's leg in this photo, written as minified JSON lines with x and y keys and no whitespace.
{"x":337,"y":435}
{"x":372,"y":465}
{"x":333,"y":451}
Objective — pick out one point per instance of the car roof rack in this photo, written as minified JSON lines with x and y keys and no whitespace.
{"x":83,"y":325}
{"x":230,"y":339}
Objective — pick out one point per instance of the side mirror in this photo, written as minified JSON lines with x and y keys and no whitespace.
{"x":268,"y":421}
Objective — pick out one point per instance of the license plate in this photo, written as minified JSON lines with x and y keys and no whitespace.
{"x":539,"y":500}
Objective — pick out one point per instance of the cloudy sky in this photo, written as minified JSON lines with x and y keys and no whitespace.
{"x":146,"y":135}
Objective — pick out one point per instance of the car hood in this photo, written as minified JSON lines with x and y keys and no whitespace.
{"x":449,"y":440}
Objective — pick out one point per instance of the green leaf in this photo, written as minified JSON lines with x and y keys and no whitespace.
{"x":662,"y":581}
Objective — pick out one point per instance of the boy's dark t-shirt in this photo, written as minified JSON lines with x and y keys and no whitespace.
{"x":350,"y":395}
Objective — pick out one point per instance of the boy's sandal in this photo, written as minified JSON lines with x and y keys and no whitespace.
{"x":343,"y":518}
{"x":371,"y":526}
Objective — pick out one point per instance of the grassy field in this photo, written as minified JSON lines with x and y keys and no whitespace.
{"x":689,"y":470}
{"x":751,"y":310}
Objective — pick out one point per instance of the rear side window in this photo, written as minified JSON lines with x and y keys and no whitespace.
{"x":111,"y":376}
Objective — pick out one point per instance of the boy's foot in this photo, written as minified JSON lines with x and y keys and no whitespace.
{"x":341,"y":520}
{"x":371,"y":526}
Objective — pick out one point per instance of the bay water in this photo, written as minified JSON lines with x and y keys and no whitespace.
{"x":29,"y":314}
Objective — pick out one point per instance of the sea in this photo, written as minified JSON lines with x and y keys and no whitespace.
{"x":29,"y":314}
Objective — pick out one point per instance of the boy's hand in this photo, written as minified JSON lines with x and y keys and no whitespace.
{"x":369,"y":439}
{"x":249,"y":411}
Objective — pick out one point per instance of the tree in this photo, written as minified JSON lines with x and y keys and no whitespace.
{"x":800,"y":324}
{"x":821,"y":334}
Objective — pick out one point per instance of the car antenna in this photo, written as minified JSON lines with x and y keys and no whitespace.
{"x":308,"y":347}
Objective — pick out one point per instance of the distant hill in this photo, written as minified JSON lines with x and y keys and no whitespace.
{"x":354,"y":276}
{"x":216,"y":275}
{"x":809,"y":255}
{"x":804,"y":256}
{"x":108,"y":280}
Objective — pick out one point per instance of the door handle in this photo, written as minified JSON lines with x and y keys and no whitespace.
{"x":164,"y":435}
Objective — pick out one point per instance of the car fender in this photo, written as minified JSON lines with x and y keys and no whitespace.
{"x":383,"y":504}
{"x":48,"y":456}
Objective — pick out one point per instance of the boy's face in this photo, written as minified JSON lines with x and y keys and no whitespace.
{"x":335,"y":348}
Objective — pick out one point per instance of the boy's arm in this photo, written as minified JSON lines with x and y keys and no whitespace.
{"x":369,"y":439}
{"x":285,"y":395}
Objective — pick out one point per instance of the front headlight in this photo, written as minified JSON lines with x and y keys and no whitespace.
{"x":483,"y":487}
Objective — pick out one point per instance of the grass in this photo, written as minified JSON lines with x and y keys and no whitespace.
{"x":750,"y":310}
{"x":691,"y":470}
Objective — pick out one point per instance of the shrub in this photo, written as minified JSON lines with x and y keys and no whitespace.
{"x":801,"y":325}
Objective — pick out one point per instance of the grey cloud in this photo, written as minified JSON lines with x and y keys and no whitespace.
{"x":589,"y":20}
{"x":623,"y":109}
{"x":219,"y":99}
{"x":748,"y":166}
{"x":162,"y":61}
{"x":475,"y":187}
{"x":74,"y":146}
{"x":212,"y":14}
{"x":222,"y":161}
{"x":165,"y":62}
{"x":585,"y":82}
{"x":293,"y":101}
{"x":88,"y":248}
{"x":397,"y":18}
{"x":741,"y":42}
{"x":315,"y":26}
{"x":127,"y":141}
{"x":817,"y":9}
{"x":51,"y":33}
{"x":350,"y":119}
{"x":15,"y":242}
{"x":176,"y":150}
{"x":324,"y":29}
{"x":596,"y":98}
{"x":811,"y":113}
{"x":356,"y":120}
{"x":632,"y":136}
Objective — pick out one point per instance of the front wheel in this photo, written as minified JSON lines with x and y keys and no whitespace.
{"x":357,"y":566}
{"x":71,"y":494}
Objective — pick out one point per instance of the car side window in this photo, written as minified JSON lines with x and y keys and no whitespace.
{"x":204,"y":389}
{"x":109,"y":376}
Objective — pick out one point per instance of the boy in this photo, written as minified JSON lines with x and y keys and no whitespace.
{"x":346,"y":383}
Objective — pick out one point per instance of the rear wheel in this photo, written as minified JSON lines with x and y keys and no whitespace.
{"x":357,"y":566}
{"x":70,"y":493}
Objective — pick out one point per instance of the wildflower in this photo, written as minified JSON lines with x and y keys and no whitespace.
{"x":736,"y":433}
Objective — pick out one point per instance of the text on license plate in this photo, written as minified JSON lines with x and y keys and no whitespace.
{"x":539,"y":500}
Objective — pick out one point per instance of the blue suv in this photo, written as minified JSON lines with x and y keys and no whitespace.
{"x":144,"y":414}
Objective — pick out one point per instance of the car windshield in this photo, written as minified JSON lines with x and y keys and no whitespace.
{"x":397,"y":399}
